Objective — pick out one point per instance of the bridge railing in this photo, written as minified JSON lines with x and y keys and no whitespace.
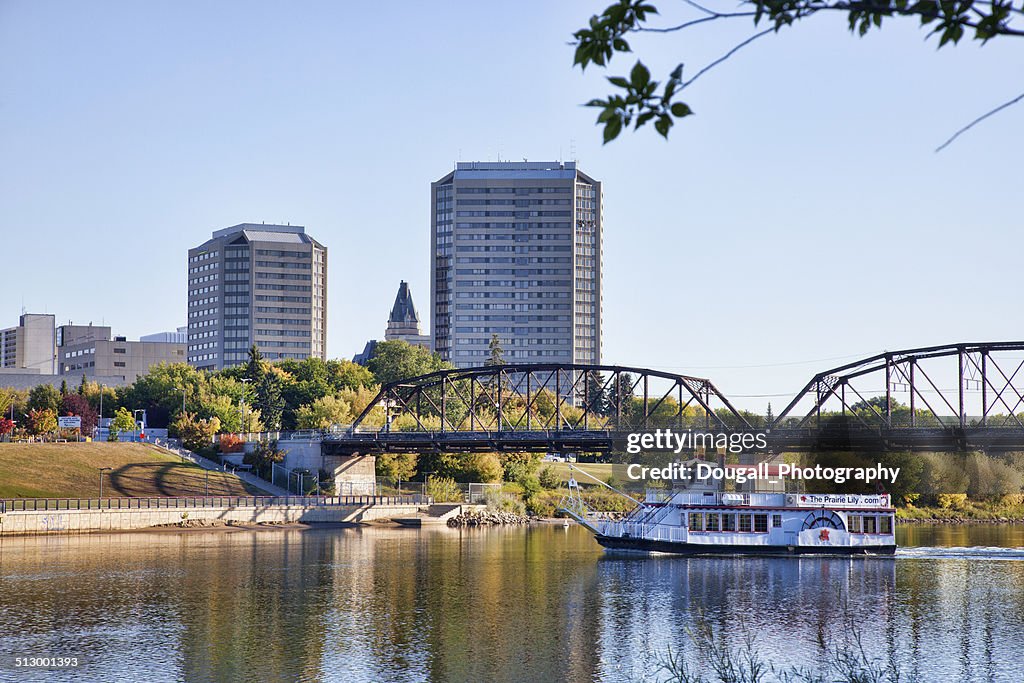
{"x":125,"y":503}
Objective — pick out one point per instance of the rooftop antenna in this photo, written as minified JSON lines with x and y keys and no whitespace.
{"x":572,"y":149}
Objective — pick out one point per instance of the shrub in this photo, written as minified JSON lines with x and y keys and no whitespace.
{"x":548,"y":477}
{"x":497,"y":500}
{"x":231,"y":443}
{"x":520,"y":466}
{"x":443,"y":489}
{"x":951,"y":500}
{"x":482,"y":467}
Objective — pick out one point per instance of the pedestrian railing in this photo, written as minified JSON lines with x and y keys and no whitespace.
{"x":125,"y":503}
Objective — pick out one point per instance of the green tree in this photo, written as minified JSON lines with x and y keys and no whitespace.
{"x":263,"y":457}
{"x":44,"y":397}
{"x":496,"y":355}
{"x":639,"y":99}
{"x":124,"y":421}
{"x":595,"y":394}
{"x":395,"y":360}
{"x":397,"y":466}
{"x":196,"y":434}
{"x":324,"y":412}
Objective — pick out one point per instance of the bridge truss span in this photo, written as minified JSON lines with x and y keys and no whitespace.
{"x":957,"y":386}
{"x":539,"y":407}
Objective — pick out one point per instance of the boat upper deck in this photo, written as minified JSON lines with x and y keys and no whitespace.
{"x":795,"y":501}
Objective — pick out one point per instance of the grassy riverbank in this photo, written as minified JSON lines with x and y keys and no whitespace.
{"x":71,"y":470}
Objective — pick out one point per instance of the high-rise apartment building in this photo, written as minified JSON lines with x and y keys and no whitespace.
{"x":256,"y":284}
{"x":516,"y":251}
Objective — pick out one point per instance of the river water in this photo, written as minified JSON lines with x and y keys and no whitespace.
{"x":513,"y":604}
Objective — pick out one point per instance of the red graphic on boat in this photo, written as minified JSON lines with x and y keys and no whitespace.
{"x":823,"y":535}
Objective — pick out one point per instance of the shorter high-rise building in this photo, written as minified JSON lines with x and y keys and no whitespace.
{"x":256,"y":284}
{"x":30,"y":347}
{"x":89,"y":350}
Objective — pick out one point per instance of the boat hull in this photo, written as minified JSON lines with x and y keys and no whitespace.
{"x":643,"y":545}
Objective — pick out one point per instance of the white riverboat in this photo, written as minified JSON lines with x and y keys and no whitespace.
{"x":722,"y":523}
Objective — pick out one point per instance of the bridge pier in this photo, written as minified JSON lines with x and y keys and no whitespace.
{"x":354,"y":475}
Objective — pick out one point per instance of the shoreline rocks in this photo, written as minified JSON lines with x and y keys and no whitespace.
{"x":488,"y":518}
{"x":956,"y":521}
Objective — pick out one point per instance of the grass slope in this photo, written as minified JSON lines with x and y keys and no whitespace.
{"x":71,"y":470}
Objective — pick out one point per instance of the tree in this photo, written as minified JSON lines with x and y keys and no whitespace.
{"x":397,"y":466}
{"x":769,"y":416}
{"x":42,"y":421}
{"x":196,"y":434}
{"x":640,"y":99}
{"x":6,"y":426}
{"x":596,"y":396}
{"x":76,"y":404}
{"x":395,"y":360}
{"x":44,"y":397}
{"x":124,"y":421}
{"x":263,"y":457}
{"x":324,"y":412}
{"x":497,"y":354}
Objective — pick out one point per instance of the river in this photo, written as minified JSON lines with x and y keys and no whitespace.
{"x":511,"y":604}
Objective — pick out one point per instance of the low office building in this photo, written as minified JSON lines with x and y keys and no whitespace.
{"x":91,"y":351}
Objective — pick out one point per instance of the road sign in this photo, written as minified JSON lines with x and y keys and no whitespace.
{"x":69,"y":422}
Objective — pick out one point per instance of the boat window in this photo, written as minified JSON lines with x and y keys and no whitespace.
{"x":853,"y":521}
{"x":761,"y":524}
{"x":696,"y":521}
{"x":869,"y":524}
{"x":744,"y":522}
{"x":711,"y":523}
{"x":885,"y":524}
{"x":776,"y":521}
{"x":729,"y":522}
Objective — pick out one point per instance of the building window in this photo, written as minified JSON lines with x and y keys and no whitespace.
{"x":118,"y":364}
{"x":116,"y":350}
{"x":712,"y":521}
{"x":885,"y":524}
{"x":729,"y":522}
{"x":761,"y":524}
{"x":869,"y":524}
{"x":853,"y":521}
{"x":776,"y":521}
{"x":696,"y":521}
{"x":745,"y":523}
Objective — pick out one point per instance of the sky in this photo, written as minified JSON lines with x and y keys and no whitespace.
{"x":799,"y":220}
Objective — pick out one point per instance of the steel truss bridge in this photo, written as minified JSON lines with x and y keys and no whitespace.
{"x":942,"y":398}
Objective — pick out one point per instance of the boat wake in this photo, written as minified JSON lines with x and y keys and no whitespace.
{"x":972,"y":553}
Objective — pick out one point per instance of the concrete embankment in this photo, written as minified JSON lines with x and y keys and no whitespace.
{"x":86,"y":521}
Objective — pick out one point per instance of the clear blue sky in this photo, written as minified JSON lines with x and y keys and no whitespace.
{"x":800,"y":216}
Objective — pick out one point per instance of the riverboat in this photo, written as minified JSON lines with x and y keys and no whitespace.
{"x":723,"y":523}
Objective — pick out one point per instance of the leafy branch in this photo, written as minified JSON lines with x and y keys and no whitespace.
{"x":642,"y":99}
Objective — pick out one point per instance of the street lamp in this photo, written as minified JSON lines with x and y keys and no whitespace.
{"x":136,"y":421}
{"x":102,"y":470}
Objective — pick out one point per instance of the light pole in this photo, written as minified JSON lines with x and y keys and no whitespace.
{"x":241,"y":405}
{"x":102,"y":470}
{"x":136,"y":421}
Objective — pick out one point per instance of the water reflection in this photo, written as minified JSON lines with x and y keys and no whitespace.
{"x":382,"y":604}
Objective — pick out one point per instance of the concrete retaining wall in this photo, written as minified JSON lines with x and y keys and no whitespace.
{"x":85,"y":521}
